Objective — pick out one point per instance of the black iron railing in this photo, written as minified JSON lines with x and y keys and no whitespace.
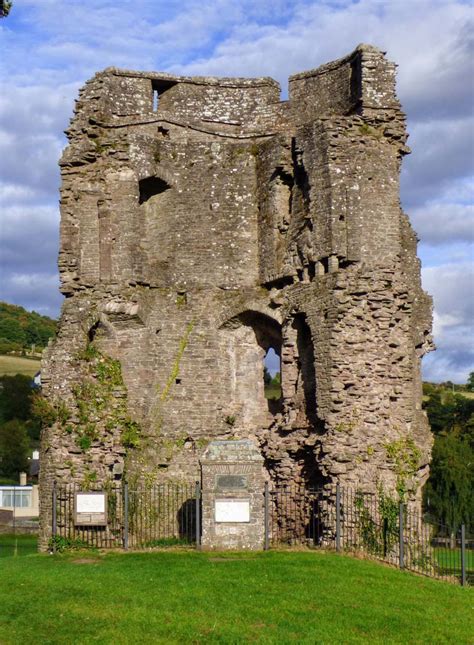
{"x":169,"y":514}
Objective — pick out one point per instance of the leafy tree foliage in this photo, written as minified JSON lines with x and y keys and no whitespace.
{"x":19,"y":329}
{"x":14,"y":448}
{"x":448,"y":493}
{"x":16,"y":398}
{"x":448,"y":412}
{"x":470,"y":382}
{"x":267,"y":377}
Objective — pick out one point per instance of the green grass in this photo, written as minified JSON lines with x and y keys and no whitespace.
{"x":272,"y":391}
{"x":17,"y":545}
{"x":10,"y":365}
{"x":192,"y":597}
{"x":451,"y":558}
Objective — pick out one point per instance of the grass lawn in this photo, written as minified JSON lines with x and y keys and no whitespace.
{"x":272,"y":391}
{"x":16,"y":545}
{"x":10,"y":365}
{"x":451,"y":558}
{"x":192,"y":597}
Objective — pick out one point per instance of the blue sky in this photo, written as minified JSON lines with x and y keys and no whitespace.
{"x":51,"y":47}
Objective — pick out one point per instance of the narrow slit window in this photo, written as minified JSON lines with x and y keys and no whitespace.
{"x":271,"y":374}
{"x":158,"y":89}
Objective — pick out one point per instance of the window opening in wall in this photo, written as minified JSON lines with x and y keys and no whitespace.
{"x":158,"y":88}
{"x":254,"y":344}
{"x":272,"y":375}
{"x":151,"y":186}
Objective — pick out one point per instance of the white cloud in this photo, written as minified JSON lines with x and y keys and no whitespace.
{"x":442,"y":152}
{"x":19,"y":217}
{"x":38,"y":291}
{"x":452,"y":288}
{"x":29,"y":240}
{"x":441,"y":223}
{"x":447,"y":283}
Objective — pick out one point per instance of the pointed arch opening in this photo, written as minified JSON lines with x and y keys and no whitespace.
{"x":250,"y":338}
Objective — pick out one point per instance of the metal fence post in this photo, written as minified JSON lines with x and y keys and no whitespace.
{"x":198,"y":515}
{"x":463,"y":555}
{"x":54,"y":527}
{"x":401,"y":554}
{"x":266,"y":545}
{"x":338,"y":517}
{"x":125,"y":515}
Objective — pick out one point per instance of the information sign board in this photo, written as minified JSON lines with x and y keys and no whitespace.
{"x":232,"y":510}
{"x":90,"y":509}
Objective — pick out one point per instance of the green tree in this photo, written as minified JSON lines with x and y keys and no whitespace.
{"x":440,"y":416}
{"x":470,"y":382}
{"x":15,"y":397}
{"x":19,"y":329}
{"x":11,"y":329}
{"x":267,"y":377}
{"x":448,"y":493}
{"x":448,"y":412}
{"x":14,"y":448}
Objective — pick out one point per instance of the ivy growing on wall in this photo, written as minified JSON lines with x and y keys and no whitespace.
{"x":379,"y":533}
{"x":406,"y":459}
{"x":96,"y":400}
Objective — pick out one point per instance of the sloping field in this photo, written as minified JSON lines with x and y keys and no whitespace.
{"x":11,"y":365}
{"x":192,"y":597}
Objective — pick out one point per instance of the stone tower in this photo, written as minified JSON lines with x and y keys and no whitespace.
{"x":204,"y":221}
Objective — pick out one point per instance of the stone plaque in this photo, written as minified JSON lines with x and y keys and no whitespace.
{"x":90,"y":509}
{"x":232,"y":510}
{"x":231,"y":482}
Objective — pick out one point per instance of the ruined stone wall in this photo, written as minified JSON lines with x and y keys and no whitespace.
{"x":203,"y":221}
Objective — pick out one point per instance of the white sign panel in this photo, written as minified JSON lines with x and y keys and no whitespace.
{"x":90,"y":503}
{"x":232,"y":510}
{"x":91,"y":509}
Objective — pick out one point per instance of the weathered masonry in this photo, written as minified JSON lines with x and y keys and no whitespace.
{"x":204,"y":221}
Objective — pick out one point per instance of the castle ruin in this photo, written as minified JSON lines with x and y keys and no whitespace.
{"x":205,"y":221}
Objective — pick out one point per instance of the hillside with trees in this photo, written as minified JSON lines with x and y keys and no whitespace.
{"x":448,"y":494}
{"x":19,"y":428}
{"x":24,"y":331}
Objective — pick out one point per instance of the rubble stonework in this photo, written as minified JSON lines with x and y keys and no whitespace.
{"x":204,"y":221}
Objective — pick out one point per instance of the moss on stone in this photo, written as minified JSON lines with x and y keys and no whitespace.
{"x":183,"y":343}
{"x":96,"y":401}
